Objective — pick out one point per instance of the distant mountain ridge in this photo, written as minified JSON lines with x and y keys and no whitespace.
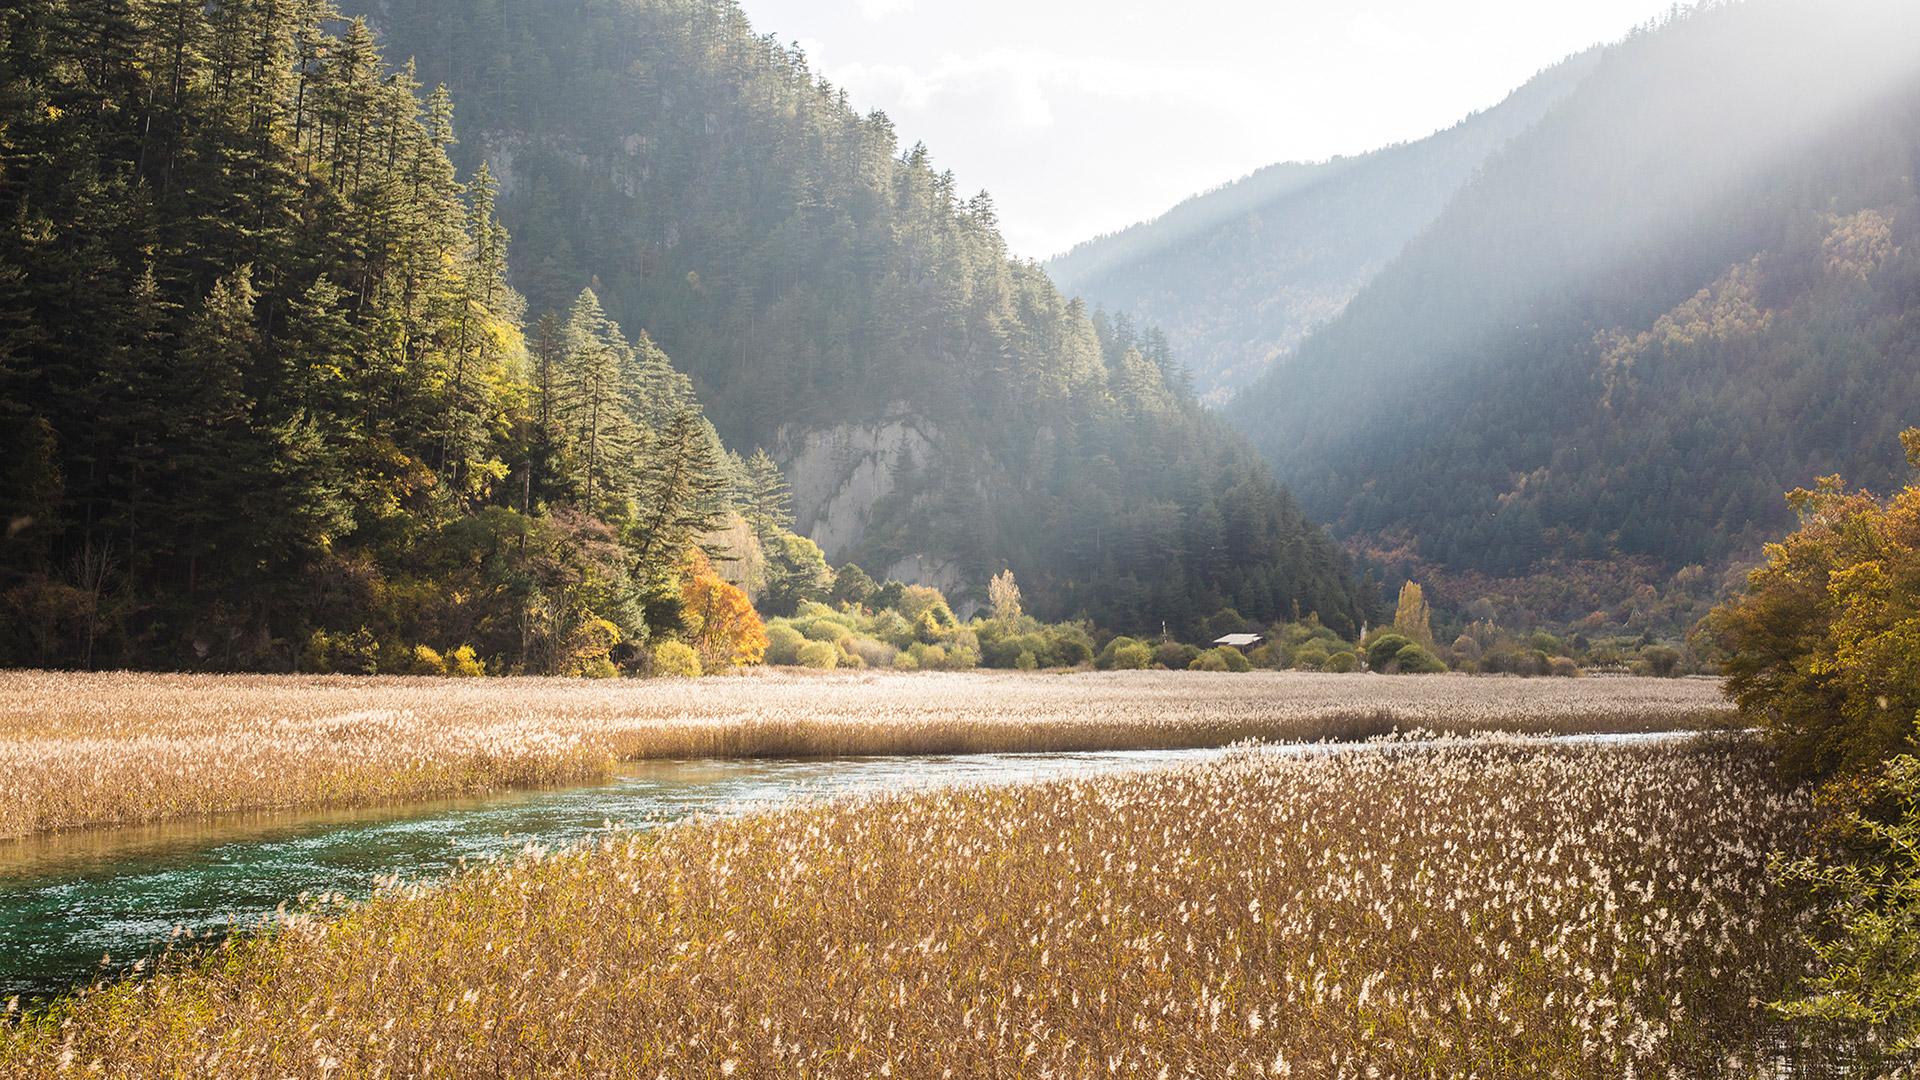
{"x":1238,"y":276}
{"x":1693,"y":284}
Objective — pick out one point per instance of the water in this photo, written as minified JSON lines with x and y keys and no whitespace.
{"x":68,"y":900}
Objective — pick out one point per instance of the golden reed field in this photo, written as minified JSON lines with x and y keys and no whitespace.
{"x":1475,"y":908}
{"x":80,"y":750}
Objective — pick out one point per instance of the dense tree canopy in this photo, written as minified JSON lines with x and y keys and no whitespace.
{"x":265,"y":394}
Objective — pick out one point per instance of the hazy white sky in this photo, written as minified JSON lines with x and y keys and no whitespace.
{"x":1084,"y":116}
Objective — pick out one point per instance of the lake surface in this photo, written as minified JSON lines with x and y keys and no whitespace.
{"x":69,"y":900}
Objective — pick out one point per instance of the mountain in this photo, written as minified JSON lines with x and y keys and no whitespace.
{"x":266,"y":398}
{"x":1693,"y":284}
{"x":941,"y":410}
{"x":1236,"y":277}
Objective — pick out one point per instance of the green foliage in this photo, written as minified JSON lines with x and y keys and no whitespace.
{"x":783,"y":644}
{"x":1866,"y":876}
{"x":1174,"y":656}
{"x":1341,"y":663}
{"x":819,"y":655}
{"x":675,"y":659}
{"x":1221,"y":658}
{"x":852,"y":585}
{"x":1384,"y":649}
{"x":1416,"y":660}
{"x":812,"y":274}
{"x":1660,"y":661}
{"x":1109,"y":653}
{"x":797,"y":573}
{"x":266,"y":396}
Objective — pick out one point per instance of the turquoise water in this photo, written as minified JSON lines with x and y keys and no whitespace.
{"x":75,"y":905}
{"x":69,"y":900}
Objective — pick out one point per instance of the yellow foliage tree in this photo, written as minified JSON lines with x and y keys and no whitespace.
{"x":1826,"y":642}
{"x":1413,"y":618}
{"x":722,"y":625}
{"x":1003,"y":597}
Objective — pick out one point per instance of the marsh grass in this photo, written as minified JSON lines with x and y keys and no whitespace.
{"x":1476,"y":908}
{"x":80,"y":750}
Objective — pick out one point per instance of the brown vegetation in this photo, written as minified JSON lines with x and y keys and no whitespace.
{"x":81,"y":750}
{"x":1475,"y":909}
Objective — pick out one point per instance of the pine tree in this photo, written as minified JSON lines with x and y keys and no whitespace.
{"x":767,"y":502}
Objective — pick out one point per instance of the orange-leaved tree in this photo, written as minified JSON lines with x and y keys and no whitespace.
{"x":1825,"y":643}
{"x":720,"y":621}
{"x":1825,"y":649}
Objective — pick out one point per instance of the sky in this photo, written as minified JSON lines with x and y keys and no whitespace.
{"x":1085,"y":116}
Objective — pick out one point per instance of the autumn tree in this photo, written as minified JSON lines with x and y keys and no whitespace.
{"x":720,"y":621}
{"x":1824,"y":654}
{"x":1825,"y":644}
{"x":1003,"y":597}
{"x":1412,"y":617}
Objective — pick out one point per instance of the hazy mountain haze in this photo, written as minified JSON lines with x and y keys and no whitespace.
{"x":1082,"y":117}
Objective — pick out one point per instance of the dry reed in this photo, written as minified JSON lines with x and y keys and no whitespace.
{"x":78,"y":750}
{"x":1478,"y":908}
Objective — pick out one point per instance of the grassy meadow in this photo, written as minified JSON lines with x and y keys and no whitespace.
{"x":1474,"y":908}
{"x":86,"y":750}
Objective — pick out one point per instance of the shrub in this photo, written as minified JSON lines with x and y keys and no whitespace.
{"x":819,"y":655}
{"x":1311,"y":655}
{"x":871,"y":653}
{"x":1105,"y":661}
{"x":1660,"y":661}
{"x":1563,"y":667}
{"x":1507,"y":659}
{"x":1222,"y":658}
{"x":1211,"y":660}
{"x":905,"y":662}
{"x":1384,"y":649}
{"x":918,"y":602}
{"x":783,"y":644}
{"x":826,"y":630}
{"x":1071,"y":645}
{"x":676,"y":659}
{"x":1025,"y":661}
{"x":427,"y":661}
{"x":892,"y":628}
{"x":1132,"y":657}
{"x":1174,"y":656}
{"x":1415,"y":660}
{"x":1341,"y":663}
{"x":461,"y":663}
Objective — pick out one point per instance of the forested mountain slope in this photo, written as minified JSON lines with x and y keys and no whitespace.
{"x":1237,"y":277}
{"x":942,"y":410}
{"x":1694,"y":284}
{"x":266,"y":398}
